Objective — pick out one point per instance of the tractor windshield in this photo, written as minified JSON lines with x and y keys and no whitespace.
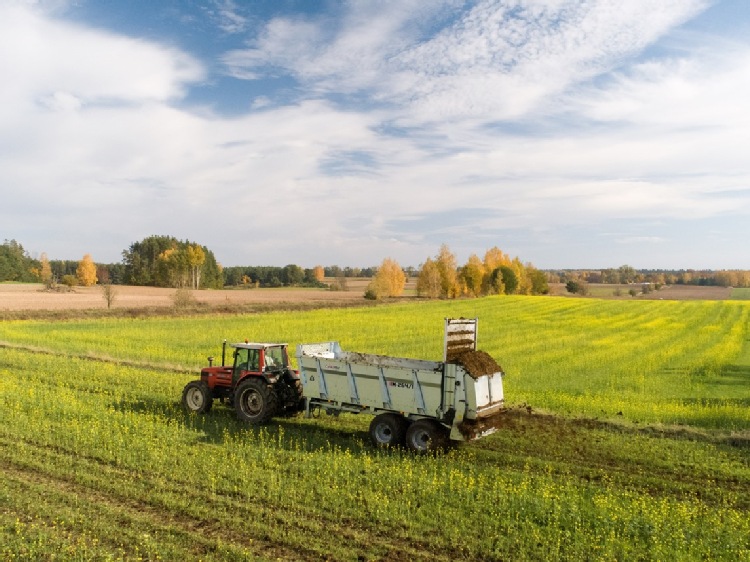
{"x":275,"y":358}
{"x":245,"y":360}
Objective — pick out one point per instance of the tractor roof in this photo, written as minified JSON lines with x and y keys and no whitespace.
{"x":253,"y":345}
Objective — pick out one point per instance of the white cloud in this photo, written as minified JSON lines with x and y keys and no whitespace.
{"x":43,"y":57}
{"x":499,"y":60}
{"x":229,"y":18}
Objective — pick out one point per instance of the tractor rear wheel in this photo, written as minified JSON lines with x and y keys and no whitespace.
{"x":426,"y":436}
{"x":388,"y":430}
{"x":255,"y":402}
{"x":196,"y":397}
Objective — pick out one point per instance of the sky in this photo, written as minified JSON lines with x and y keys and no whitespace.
{"x":569,"y":133}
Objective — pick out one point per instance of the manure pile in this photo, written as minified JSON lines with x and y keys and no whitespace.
{"x":476,"y":363}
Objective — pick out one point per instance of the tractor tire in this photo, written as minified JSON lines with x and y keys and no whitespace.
{"x":255,"y":402}
{"x":196,"y":397}
{"x":427,"y":436}
{"x":300,"y":406}
{"x":388,"y":430}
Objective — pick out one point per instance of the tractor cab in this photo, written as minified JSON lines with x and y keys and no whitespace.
{"x":261,"y":359}
{"x":259,"y":383}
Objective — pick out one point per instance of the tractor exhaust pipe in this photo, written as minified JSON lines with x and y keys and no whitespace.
{"x":223,"y":353}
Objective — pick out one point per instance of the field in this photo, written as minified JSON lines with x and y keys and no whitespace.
{"x":627,"y":438}
{"x":30,"y":297}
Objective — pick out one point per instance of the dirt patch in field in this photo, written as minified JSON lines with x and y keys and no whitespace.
{"x":471,"y":429}
{"x":33,"y":297}
{"x":689,"y":292}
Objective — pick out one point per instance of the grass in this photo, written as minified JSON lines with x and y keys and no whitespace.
{"x":99,"y":462}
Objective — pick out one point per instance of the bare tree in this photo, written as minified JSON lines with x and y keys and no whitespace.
{"x":109,"y":294}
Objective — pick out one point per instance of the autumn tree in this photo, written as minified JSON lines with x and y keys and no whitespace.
{"x":523,"y":286}
{"x":196,"y":257}
{"x":429,"y":282}
{"x":389,"y":281}
{"x":319,"y":273}
{"x":493,"y":258}
{"x":172,"y":268}
{"x":45,"y":270}
{"x":446,"y":264}
{"x":86,"y":271}
{"x":472,"y":276}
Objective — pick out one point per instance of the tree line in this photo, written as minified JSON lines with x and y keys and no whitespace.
{"x":441,"y":277}
{"x":165,"y":261}
{"x":626,"y":274}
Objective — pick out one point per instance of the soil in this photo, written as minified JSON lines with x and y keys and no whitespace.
{"x":471,"y":429}
{"x":31,"y":296}
{"x":476,"y":363}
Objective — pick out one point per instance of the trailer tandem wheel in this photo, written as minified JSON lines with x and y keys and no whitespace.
{"x":426,"y":435}
{"x":388,"y":430}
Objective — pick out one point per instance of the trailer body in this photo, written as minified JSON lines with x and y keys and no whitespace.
{"x":342,"y":381}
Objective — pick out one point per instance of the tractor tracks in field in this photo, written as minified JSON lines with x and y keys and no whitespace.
{"x":95,"y":357}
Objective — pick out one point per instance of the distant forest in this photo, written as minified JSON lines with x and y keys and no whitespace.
{"x":165,"y":261}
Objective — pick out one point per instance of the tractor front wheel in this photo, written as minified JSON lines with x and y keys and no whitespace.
{"x":255,"y":402}
{"x":196,"y":397}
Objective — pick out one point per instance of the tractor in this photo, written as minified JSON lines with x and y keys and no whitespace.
{"x":260,"y":383}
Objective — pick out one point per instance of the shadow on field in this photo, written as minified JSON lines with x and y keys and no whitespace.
{"x":295,"y":432}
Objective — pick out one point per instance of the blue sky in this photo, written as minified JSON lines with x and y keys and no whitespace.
{"x":571,"y":134}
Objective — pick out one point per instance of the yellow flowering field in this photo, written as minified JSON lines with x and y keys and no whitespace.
{"x":636,"y":445}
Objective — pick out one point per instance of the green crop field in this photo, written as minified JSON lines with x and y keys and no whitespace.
{"x":741,"y":294}
{"x":627,"y":438}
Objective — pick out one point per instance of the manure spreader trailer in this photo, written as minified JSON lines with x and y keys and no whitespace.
{"x":422,"y":404}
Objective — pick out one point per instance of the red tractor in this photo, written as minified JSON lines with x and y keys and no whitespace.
{"x":260,"y":383}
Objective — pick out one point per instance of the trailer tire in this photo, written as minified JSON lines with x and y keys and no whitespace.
{"x":255,"y":402}
{"x":196,"y":397}
{"x":388,"y":430}
{"x":426,"y":436}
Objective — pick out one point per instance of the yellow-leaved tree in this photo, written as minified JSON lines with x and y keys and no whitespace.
{"x":196,"y":257}
{"x":86,"y":271}
{"x":319,"y":273}
{"x":389,"y":281}
{"x":429,"y":283}
{"x":45,"y":272}
{"x":472,"y":275}
{"x":446,"y":264}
